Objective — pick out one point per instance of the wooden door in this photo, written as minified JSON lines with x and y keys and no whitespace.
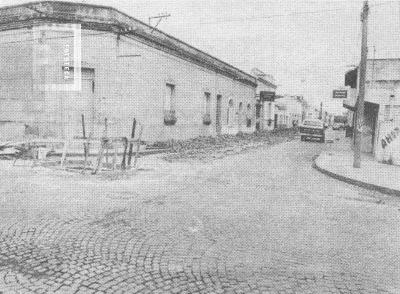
{"x":78,"y":103}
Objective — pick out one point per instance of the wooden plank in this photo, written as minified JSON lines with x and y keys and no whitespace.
{"x":94,"y":140}
{"x":91,"y":139}
{"x":123,"y":163}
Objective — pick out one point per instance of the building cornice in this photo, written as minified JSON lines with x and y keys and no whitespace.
{"x":104,"y":18}
{"x":267,"y":83}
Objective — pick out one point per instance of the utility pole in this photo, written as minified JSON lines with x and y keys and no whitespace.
{"x":373,"y":68}
{"x":361,"y":92}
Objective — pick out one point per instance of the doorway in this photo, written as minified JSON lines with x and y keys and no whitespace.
{"x":81,"y":103}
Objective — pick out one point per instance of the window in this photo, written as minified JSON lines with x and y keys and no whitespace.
{"x":240,"y":114}
{"x":169,"y":97}
{"x":208,"y":103}
{"x":229,"y":118}
{"x":248,"y":116}
{"x":249,"y":113}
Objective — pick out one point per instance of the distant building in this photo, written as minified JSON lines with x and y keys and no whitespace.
{"x":380,"y":131}
{"x":265,"y":95}
{"x":294,"y":109}
{"x":60,"y":60}
{"x":281,"y":116}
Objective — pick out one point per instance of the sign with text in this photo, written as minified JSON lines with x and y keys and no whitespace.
{"x":267,"y":96}
{"x":339,"y":94}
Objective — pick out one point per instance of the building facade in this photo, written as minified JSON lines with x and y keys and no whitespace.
{"x":265,"y":108}
{"x":381,"y":121}
{"x":62,"y":60}
{"x":292,"y":108}
{"x":281,"y":120}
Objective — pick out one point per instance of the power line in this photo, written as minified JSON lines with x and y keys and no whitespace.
{"x":251,"y":19}
{"x":270,"y":16}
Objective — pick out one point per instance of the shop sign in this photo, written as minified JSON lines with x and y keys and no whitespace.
{"x":339,"y":94}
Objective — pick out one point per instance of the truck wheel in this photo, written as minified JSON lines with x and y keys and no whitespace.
{"x":323,"y":139}
{"x":302,"y":138}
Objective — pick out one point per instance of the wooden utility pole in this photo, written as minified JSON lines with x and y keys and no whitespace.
{"x":361,"y":91}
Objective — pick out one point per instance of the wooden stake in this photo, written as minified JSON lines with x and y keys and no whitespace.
{"x":84,"y":136}
{"x":131,"y":144}
{"x":138,"y":147}
{"x":64,"y":154}
{"x":123,"y":163}
{"x":100,"y":156}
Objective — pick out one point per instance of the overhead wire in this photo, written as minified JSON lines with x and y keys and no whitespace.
{"x":237,"y":20}
{"x":260,"y":18}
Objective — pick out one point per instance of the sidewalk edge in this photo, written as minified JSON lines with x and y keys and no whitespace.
{"x":354,"y":182}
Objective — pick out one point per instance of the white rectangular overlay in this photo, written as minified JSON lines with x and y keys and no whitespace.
{"x":42,"y":49}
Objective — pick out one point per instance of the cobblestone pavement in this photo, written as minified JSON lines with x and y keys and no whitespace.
{"x":259,"y":222}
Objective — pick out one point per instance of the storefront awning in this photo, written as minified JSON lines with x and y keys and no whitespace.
{"x":267,"y":96}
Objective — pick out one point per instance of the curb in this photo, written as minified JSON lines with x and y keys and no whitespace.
{"x":354,"y":182}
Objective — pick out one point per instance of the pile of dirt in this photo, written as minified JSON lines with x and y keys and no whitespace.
{"x":206,"y":148}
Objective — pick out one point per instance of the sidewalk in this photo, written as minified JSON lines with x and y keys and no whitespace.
{"x":372,"y":174}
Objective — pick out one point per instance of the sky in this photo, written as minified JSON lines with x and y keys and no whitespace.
{"x":306,"y":45}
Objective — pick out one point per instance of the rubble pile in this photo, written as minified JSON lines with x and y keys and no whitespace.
{"x":206,"y":148}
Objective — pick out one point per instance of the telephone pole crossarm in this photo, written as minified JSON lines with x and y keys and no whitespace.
{"x":160,"y":18}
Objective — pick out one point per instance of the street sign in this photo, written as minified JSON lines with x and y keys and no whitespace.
{"x":339,"y":94}
{"x":267,"y":96}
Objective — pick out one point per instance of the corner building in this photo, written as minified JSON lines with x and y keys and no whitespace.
{"x":60,"y":60}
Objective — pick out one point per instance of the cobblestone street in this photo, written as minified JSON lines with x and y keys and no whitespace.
{"x":263,"y":221}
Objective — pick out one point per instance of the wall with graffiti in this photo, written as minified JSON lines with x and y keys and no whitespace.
{"x":388,"y":143}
